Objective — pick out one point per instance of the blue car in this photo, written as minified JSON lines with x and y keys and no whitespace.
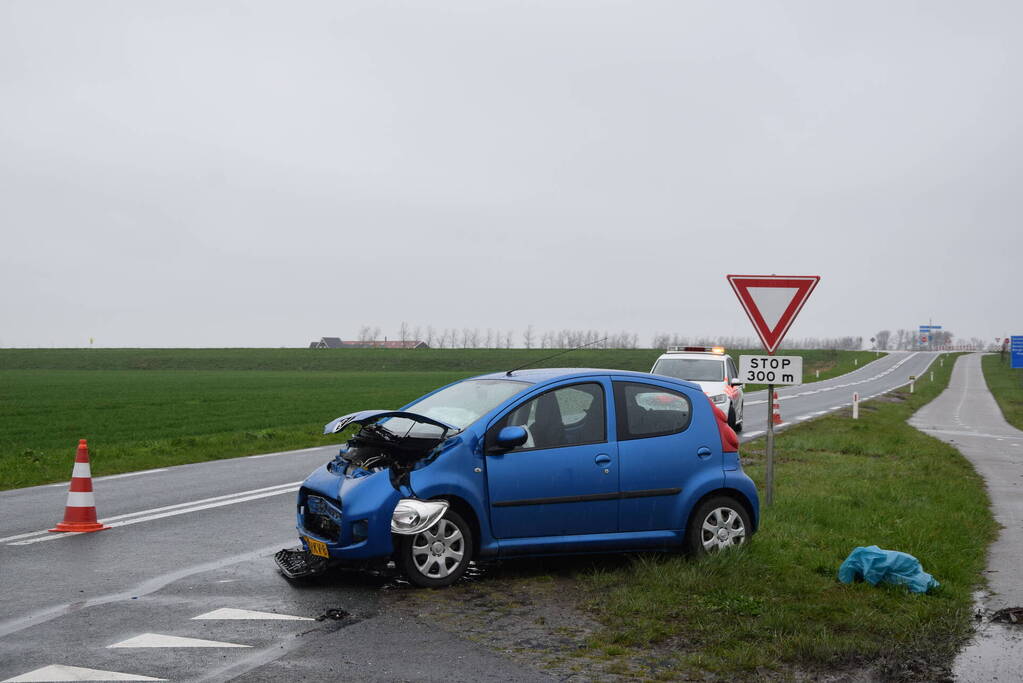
{"x":525,"y":463}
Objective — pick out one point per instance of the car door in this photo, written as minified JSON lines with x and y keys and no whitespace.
{"x":564,"y":479}
{"x":661,"y":448}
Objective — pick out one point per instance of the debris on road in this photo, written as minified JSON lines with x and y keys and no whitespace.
{"x":874,"y":565}
{"x":334,"y":613}
{"x":296,"y":563}
{"x":1009,"y":615}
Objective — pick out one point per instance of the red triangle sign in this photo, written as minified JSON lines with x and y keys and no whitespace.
{"x":772,"y":302}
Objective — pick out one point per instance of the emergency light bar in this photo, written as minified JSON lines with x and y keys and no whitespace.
{"x":696,"y":349}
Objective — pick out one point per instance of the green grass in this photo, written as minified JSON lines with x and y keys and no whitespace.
{"x":141,"y":420}
{"x":467,"y":361}
{"x":1007,"y":386}
{"x":776,"y":604}
{"x":146,"y":408}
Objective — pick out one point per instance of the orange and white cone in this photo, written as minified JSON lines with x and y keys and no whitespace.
{"x":80,"y":511}
{"x":776,"y":417}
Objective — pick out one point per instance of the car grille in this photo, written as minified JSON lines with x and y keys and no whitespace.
{"x":322,"y":517}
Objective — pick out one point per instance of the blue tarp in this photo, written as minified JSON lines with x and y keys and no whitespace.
{"x":874,"y":565}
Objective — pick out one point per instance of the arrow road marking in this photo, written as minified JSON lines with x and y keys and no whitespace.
{"x":60,"y":672}
{"x":231,"y":613}
{"x":161,"y":640}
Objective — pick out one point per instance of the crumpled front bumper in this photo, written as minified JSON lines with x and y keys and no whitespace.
{"x":361,"y":509}
{"x":298,"y":563}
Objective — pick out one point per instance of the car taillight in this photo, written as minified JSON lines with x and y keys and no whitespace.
{"x":729,"y":439}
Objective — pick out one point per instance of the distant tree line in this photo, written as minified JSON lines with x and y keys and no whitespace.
{"x":905,"y":340}
{"x":531,"y":338}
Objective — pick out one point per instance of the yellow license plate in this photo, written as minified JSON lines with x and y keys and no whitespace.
{"x":317,"y":547}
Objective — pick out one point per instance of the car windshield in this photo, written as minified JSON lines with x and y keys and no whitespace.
{"x":459,"y":405}
{"x":691,"y":369}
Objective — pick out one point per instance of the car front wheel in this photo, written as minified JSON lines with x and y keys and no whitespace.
{"x":437,"y":556}
{"x":717,"y":523}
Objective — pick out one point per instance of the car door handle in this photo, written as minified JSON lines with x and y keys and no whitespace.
{"x":602,"y":459}
{"x":703,"y":451}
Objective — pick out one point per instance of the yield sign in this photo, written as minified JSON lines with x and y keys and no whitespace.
{"x":772,"y":302}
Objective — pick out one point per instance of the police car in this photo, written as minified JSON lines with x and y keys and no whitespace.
{"x":713,"y":370}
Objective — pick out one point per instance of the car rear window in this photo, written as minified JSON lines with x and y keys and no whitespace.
{"x":691,"y":369}
{"x":645,"y":410}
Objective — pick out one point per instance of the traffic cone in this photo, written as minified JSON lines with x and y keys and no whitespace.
{"x":80,"y":511}
{"x":776,"y":417}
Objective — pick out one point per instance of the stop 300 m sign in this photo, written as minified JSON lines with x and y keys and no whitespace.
{"x":771,"y":369}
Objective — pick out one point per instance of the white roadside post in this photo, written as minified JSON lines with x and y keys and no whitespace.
{"x":856,"y":405}
{"x":912,"y":381}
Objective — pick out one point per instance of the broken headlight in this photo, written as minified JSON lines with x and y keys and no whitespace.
{"x":412,"y":516}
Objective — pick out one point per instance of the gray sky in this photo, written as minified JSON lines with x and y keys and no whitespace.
{"x":262,"y":174}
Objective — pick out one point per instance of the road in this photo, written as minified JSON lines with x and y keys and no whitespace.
{"x":966,"y":416}
{"x":193,"y":539}
{"x":807,"y":401}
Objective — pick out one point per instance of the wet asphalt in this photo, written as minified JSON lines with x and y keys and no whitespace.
{"x":966,"y":416}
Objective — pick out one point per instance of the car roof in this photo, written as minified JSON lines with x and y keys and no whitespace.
{"x":543,"y":375}
{"x":701,"y":355}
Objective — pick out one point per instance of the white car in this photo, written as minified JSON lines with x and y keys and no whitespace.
{"x":713,"y":370}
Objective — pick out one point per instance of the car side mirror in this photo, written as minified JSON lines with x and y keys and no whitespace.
{"x":510,"y":437}
{"x":735,"y":382}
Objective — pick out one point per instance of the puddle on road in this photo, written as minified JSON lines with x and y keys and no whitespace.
{"x":996,"y":651}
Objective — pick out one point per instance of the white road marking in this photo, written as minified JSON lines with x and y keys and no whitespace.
{"x":753,"y":434}
{"x":113,"y":476}
{"x":231,"y":613}
{"x":161,"y":640}
{"x":60,"y":672}
{"x":302,"y":450}
{"x":166,"y":511}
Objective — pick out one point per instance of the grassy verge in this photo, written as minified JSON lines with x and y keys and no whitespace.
{"x":146,"y":408}
{"x":1007,"y":386}
{"x":142,"y":420}
{"x":775,"y":608}
{"x":776,"y":604}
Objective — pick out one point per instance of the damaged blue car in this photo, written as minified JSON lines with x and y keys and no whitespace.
{"x":525,"y":463}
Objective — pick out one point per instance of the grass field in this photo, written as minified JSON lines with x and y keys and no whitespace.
{"x":1007,"y":386}
{"x":774,"y":609}
{"x":145,"y":408}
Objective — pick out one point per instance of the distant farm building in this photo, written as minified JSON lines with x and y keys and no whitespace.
{"x":336,"y":343}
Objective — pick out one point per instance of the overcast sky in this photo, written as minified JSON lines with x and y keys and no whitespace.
{"x":265,"y":173}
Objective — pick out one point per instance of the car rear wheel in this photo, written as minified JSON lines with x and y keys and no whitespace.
{"x":717,"y":523}
{"x":437,"y":556}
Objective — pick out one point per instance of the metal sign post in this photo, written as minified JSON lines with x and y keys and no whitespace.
{"x":772,"y":302}
{"x":769,"y":494}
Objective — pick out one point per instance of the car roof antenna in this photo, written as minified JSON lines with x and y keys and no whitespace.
{"x":559,"y":353}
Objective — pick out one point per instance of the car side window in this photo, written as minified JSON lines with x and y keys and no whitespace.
{"x":645,"y":410}
{"x":732,"y":372}
{"x":566,"y":416}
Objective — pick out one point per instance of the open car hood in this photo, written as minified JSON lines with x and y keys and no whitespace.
{"x":366,"y":417}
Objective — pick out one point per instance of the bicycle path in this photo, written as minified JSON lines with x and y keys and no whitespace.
{"x":966,"y":416}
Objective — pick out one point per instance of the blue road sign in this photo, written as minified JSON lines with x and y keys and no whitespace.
{"x":1016,"y":349}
